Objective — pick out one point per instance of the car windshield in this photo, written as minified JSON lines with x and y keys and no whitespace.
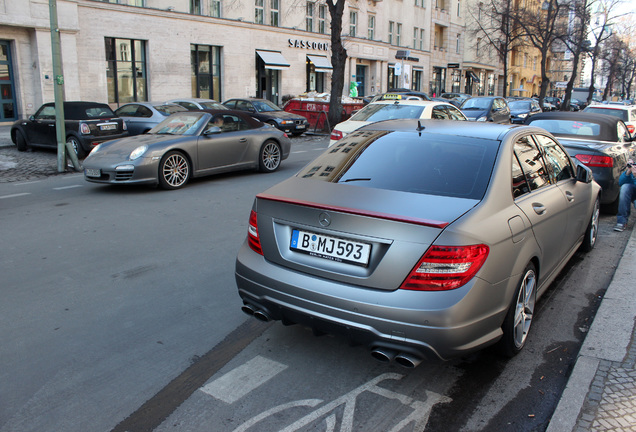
{"x":169,"y":109}
{"x":519,"y":105}
{"x":180,"y":124}
{"x":569,"y":127}
{"x":619,"y":113}
{"x":408,"y":162}
{"x":265,"y":106}
{"x":476,"y":103}
{"x":378,"y":112}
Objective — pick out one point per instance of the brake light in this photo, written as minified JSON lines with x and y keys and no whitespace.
{"x":446,"y":267}
{"x":336,"y":135}
{"x":252,"y":234}
{"x":85,"y":129}
{"x":595,"y":160}
{"x":631,"y":128}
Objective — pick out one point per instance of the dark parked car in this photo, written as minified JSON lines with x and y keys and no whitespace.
{"x":86,"y":123}
{"x":143,"y":116}
{"x":520,"y":109}
{"x":419,"y":238}
{"x":487,"y":109}
{"x":268,"y":112}
{"x":189,"y":144}
{"x":600,"y":141}
{"x":554,"y":101}
{"x":456,"y":98}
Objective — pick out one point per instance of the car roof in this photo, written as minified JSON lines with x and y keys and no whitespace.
{"x":446,"y":127}
{"x":613,"y":106}
{"x":602,"y":119}
{"x":76,"y":110}
{"x":253,"y":122}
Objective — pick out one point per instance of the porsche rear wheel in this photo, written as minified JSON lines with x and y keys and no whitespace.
{"x":174,"y":170}
{"x":269,"y":157}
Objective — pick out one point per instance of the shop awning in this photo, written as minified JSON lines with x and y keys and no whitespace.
{"x":321,"y":62}
{"x":474,"y":77}
{"x":273,"y":59}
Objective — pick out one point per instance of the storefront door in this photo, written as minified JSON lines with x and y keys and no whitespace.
{"x":268,"y":84}
{"x":7,"y":86}
{"x":361,"y":78}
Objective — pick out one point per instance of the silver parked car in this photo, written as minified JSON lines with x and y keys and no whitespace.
{"x":140,"y":117}
{"x":420,"y":238}
{"x":189,"y":144}
{"x":194,"y":104}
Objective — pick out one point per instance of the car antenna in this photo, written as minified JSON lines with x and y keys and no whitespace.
{"x":420,"y":128}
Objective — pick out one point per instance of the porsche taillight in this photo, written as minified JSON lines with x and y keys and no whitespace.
{"x":252,"y":234}
{"x":446,"y":267}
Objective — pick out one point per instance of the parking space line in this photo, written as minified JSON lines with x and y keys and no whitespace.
{"x":14,"y":195}
{"x":237,"y":383}
{"x":67,"y":187}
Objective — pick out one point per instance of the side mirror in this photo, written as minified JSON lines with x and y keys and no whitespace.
{"x":583,"y":174}
{"x":32,"y":117}
{"x":212,"y":130}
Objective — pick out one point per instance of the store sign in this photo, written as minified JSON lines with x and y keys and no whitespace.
{"x":298,"y":43}
{"x":453,"y":65}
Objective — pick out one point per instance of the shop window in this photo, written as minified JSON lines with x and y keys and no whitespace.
{"x":126,"y":70}
{"x":206,"y":71}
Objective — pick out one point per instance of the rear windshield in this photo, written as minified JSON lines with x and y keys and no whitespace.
{"x":378,"y":112}
{"x":87,"y":112}
{"x":569,"y":127}
{"x":408,"y":162}
{"x":619,"y":113}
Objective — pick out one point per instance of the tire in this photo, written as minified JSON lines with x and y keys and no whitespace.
{"x":174,"y":170}
{"x":77,"y":146}
{"x":517,"y":323}
{"x":20,"y":141}
{"x":591,"y":233}
{"x":269,"y":157}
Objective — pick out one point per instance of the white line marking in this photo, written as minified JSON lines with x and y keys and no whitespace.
{"x":67,"y":187}
{"x":299,"y":151}
{"x":14,"y":195}
{"x":237,"y":383}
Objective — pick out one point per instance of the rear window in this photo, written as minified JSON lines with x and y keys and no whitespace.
{"x":569,"y":127}
{"x":378,"y":112}
{"x":619,"y":113}
{"x":408,"y":162}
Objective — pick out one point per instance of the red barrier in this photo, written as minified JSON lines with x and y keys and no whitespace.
{"x":317,"y":111}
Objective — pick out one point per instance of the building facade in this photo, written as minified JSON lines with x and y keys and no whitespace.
{"x":131,"y":50}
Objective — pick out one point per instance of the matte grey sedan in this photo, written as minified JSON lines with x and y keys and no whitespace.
{"x":189,"y":144}
{"x":420,"y":239}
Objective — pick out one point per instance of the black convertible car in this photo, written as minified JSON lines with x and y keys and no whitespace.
{"x":600,"y":141}
{"x":87,"y":124}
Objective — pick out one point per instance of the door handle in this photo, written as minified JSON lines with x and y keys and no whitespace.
{"x":538,"y":208}
{"x":243,"y":140}
{"x":569,"y":195}
{"x":51,"y":125}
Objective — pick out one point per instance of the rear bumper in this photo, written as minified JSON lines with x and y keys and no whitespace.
{"x":429,"y":325}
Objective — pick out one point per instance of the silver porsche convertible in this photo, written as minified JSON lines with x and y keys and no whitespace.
{"x":420,"y":239}
{"x":189,"y":144}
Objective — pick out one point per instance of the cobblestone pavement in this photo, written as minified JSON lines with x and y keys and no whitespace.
{"x":27,"y":166}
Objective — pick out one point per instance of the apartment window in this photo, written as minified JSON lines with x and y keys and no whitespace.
{"x":309,"y":20}
{"x":391,"y":25}
{"x":322,"y":13}
{"x":534,"y":63}
{"x":259,"y":12}
{"x":525,"y":60}
{"x":422,"y":40}
{"x":215,"y":8}
{"x":206,"y":71}
{"x":440,"y":4}
{"x":457,"y":48}
{"x":439,"y":38}
{"x":274,"y":13}
{"x":126,"y":70}
{"x":398,"y":35}
{"x":353,"y":22}
{"x":478,"y":48}
{"x":459,"y":7}
{"x":195,"y":7}
{"x":371,"y":28}
{"x":416,"y":34}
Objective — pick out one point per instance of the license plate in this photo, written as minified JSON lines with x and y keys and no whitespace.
{"x":300,"y":127}
{"x":331,"y":248}
{"x":89,"y":172}
{"x":109,"y":126}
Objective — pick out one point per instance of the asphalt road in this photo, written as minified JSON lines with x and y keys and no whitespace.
{"x":119,"y":312}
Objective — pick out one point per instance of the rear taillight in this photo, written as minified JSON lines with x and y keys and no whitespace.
{"x":85,"y":129}
{"x":336,"y":135}
{"x":446,"y":267}
{"x":252,"y":234}
{"x":631,"y":128}
{"x":595,"y":160}
{"x":124,"y":126}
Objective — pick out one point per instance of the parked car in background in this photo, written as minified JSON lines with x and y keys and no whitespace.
{"x":143,"y":116}
{"x":601,"y":142}
{"x":396,"y":109}
{"x":419,"y":238}
{"x":456,"y":98}
{"x":627,"y":113}
{"x":401,"y":94}
{"x":197,"y":103}
{"x":520,"y":109}
{"x":189,"y":144}
{"x":554,"y":101}
{"x":487,"y":108}
{"x":270,"y":113}
{"x":576,"y":104}
{"x":86,"y":123}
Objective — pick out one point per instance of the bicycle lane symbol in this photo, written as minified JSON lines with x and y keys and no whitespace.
{"x":419,"y":415}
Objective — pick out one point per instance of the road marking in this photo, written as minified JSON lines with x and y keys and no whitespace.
{"x":14,"y":195}
{"x":67,"y":187}
{"x":237,"y":383}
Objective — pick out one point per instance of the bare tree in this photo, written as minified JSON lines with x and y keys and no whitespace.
{"x":574,"y":39}
{"x":338,"y":60}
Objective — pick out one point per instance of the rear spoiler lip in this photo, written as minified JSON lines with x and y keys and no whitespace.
{"x":358,"y":212}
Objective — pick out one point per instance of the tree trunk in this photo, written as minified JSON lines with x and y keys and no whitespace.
{"x":338,"y":61}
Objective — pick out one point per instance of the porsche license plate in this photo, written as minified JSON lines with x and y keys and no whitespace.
{"x":331,"y":248}
{"x":92,"y":172}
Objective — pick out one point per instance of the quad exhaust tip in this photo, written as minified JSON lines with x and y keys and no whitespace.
{"x":386,"y":355}
{"x":257,"y":313}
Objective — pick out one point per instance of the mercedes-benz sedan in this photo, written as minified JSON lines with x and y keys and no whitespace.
{"x":419,"y":239}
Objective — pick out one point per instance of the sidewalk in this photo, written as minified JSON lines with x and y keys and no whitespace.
{"x":601,"y":391}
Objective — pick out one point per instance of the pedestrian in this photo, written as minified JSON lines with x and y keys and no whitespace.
{"x":627,"y":181}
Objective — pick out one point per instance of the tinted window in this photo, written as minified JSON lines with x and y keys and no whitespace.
{"x":46,"y":113}
{"x":455,"y":114}
{"x":378,"y":112}
{"x":169,"y":109}
{"x":143,"y":111}
{"x":230,"y":104}
{"x":531,"y":163}
{"x":569,"y":127}
{"x":439,"y":113}
{"x":127,"y":111}
{"x":556,"y":158}
{"x":408,"y":162}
